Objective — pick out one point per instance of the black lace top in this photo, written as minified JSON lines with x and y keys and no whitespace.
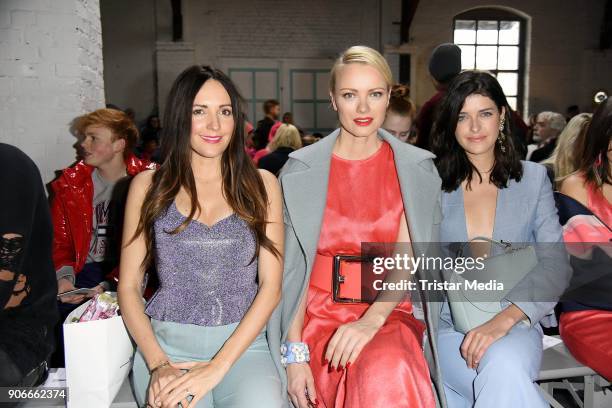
{"x":28,"y":287}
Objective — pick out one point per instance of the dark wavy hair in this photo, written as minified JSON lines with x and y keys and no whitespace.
{"x":592,"y":157}
{"x":452,"y":162}
{"x":243,"y":187}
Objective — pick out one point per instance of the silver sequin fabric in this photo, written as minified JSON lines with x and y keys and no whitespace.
{"x":206,"y":274}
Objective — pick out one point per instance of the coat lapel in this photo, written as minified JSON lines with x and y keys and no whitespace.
{"x":420,"y":189}
{"x":306,"y":194}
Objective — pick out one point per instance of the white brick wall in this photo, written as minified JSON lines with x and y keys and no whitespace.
{"x":50,"y":73}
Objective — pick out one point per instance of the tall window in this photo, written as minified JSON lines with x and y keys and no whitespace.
{"x":310,"y":100}
{"x":256,"y":86}
{"x":494,"y":40}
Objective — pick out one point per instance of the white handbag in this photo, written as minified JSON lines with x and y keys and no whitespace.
{"x":99,"y":357}
{"x":466,"y":304}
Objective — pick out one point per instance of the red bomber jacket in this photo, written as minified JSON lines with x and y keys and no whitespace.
{"x":72,"y":212}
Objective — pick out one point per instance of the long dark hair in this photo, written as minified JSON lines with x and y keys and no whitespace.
{"x":452,"y":161}
{"x":243,"y":187}
{"x":592,"y":152}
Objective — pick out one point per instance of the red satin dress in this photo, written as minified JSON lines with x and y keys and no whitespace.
{"x":364,"y":204}
{"x":586,"y":333}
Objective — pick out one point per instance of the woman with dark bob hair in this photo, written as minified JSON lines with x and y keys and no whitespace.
{"x":490,"y":193}
{"x":211,"y":224}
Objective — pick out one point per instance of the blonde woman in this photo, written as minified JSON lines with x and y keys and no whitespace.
{"x":286,"y":140}
{"x":562,"y":161}
{"x":358,"y":184}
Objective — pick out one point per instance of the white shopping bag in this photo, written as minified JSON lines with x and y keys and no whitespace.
{"x":98,"y":359}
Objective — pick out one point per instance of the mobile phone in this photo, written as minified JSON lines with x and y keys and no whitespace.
{"x":79,"y":291}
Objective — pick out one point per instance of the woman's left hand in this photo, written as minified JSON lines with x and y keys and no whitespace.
{"x":478,"y":340}
{"x":349,"y":340}
{"x":199,"y":379}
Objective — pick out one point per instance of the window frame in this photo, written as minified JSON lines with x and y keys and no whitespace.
{"x":314,"y":101}
{"x":254,"y":100}
{"x":498,"y":15}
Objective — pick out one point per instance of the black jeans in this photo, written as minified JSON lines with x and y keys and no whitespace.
{"x":11,"y":376}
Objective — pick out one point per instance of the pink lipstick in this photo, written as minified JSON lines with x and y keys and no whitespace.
{"x":212,"y":139}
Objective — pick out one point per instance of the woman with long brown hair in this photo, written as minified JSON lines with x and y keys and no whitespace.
{"x":211,"y":224}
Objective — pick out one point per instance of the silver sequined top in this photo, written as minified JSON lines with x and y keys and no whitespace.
{"x":205,"y":273}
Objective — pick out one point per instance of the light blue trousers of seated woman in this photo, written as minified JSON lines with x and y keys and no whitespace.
{"x":505,"y":377}
{"x":253,"y":381}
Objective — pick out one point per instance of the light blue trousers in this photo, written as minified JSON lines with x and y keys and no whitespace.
{"x":253,"y":381}
{"x":505,"y":377}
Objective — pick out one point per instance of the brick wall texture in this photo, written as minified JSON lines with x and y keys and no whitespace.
{"x":50,"y":72}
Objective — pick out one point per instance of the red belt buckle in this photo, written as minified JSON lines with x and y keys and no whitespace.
{"x":338,"y":278}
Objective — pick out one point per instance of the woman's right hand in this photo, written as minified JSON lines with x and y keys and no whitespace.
{"x":300,"y":386}
{"x":159,"y":379}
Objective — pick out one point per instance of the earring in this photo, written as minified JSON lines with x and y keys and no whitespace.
{"x":599,"y":160}
{"x":501,"y":138}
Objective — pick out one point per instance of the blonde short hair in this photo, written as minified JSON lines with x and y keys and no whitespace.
{"x":286,"y":136}
{"x":362,"y":55}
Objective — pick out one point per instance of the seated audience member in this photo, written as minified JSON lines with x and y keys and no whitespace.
{"x":28,"y":309}
{"x":400,"y":114}
{"x":271,"y":109}
{"x":151,"y":129}
{"x":87,"y":204}
{"x":202,"y":339}
{"x":490,"y":194}
{"x":266,"y":150}
{"x":357,"y":354}
{"x":547,"y":127}
{"x":288,"y":118}
{"x":318,"y":136}
{"x":562,"y":163}
{"x":307,"y":140}
{"x":585,"y":206}
{"x":444,"y":65}
{"x":150,"y":149}
{"x":286,"y":140}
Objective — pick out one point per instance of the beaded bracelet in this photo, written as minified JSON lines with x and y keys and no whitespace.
{"x":294,"y":352}
{"x":157,"y":367}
